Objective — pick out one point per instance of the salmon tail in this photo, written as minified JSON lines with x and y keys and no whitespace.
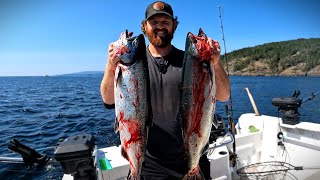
{"x":128,"y":34}
{"x":194,"y":174}
{"x":132,"y":175}
{"x":201,"y":33}
{"x":131,"y":178}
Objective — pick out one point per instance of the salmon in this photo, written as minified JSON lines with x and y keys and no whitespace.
{"x":131,"y":100}
{"x":197,"y":100}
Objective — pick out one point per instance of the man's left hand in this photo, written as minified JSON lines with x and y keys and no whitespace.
{"x":215,"y":57}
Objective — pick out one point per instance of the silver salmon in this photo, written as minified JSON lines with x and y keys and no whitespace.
{"x":197,"y":100}
{"x":131,"y":100}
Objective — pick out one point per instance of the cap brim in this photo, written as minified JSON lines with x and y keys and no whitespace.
{"x":161,"y":12}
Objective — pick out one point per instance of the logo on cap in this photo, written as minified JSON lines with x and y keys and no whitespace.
{"x":158,"y":6}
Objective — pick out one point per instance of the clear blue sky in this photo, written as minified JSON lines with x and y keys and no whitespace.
{"x":39,"y":37}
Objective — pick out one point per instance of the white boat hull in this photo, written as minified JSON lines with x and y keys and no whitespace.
{"x":301,"y":147}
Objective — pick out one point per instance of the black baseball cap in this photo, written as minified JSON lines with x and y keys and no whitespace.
{"x":159,"y":7}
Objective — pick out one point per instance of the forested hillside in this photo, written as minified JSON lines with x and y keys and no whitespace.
{"x":288,"y":58}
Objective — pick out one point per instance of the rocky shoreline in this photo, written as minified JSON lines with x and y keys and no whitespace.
{"x":261,"y":69}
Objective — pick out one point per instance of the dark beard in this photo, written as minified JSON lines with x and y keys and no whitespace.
{"x":159,"y":42}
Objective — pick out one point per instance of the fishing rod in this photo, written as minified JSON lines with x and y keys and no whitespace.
{"x":224,"y":42}
{"x":229,"y":110}
{"x":296,"y":94}
{"x":311,"y":97}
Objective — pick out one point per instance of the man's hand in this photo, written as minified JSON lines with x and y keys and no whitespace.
{"x":221,"y":78}
{"x":215,"y":57}
{"x":117,"y":48}
{"x":113,"y":58}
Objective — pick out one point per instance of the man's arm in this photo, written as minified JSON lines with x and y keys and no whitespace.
{"x":221,"y":78}
{"x":107,"y":83}
{"x":222,"y":83}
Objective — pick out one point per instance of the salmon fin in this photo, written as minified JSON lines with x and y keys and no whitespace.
{"x":212,"y":73}
{"x":118,"y":76}
{"x":129,"y":176}
{"x":124,"y":153}
{"x":116,"y":125}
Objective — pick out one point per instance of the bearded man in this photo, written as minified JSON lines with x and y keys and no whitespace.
{"x":165,"y":157}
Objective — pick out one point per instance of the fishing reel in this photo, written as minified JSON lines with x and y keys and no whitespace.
{"x":75,"y":155}
{"x":288,"y":107}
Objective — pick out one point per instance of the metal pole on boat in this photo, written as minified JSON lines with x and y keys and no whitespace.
{"x":229,"y":110}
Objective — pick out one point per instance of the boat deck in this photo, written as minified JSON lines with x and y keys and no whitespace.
{"x":259,"y":139}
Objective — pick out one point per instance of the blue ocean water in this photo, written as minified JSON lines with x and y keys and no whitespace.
{"x":39,"y":111}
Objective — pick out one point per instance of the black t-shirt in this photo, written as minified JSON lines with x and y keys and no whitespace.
{"x":165,"y":156}
{"x":165,"y":144}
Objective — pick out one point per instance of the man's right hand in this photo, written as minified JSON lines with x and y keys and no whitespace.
{"x":107,"y":83}
{"x":113,"y":59}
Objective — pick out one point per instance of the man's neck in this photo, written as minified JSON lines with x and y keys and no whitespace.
{"x":159,"y":52}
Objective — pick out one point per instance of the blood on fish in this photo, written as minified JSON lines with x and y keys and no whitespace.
{"x":130,"y":90}
{"x":122,"y":50}
{"x":199,"y":102}
{"x":199,"y":78}
{"x":134,"y":89}
{"x":135,"y":102}
{"x":203,"y":48}
{"x":132,"y":126}
{"x":194,"y":171}
{"x":213,"y":99}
